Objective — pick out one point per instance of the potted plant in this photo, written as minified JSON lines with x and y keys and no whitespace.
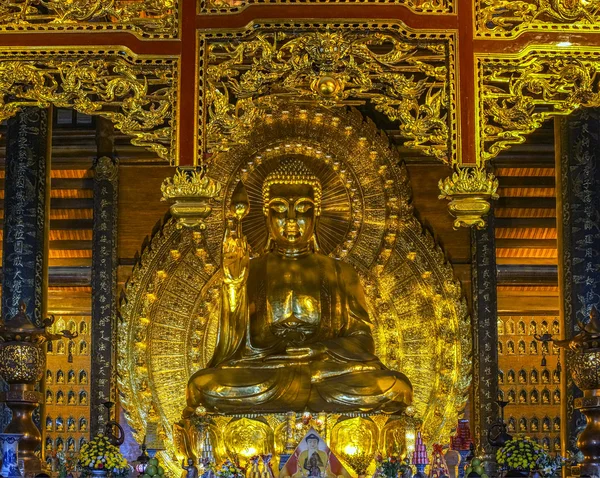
{"x":521,"y":457}
{"x":101,"y":458}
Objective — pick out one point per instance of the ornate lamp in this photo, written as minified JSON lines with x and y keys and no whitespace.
{"x":141,"y":462}
{"x":22,"y":365}
{"x":583,"y":359}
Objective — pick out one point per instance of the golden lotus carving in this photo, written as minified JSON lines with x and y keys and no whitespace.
{"x":420,"y":318}
{"x":145,"y":18}
{"x":136,"y":94}
{"x":508,"y":18}
{"x":255,"y":73}
{"x":354,"y":438}
{"x":518,"y":93}
{"x":469,"y":191}
{"x":190,"y":192}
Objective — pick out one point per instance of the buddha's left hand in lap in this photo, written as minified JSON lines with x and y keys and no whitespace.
{"x":306,"y":352}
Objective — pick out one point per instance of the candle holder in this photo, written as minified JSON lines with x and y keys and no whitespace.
{"x":583,"y":359}
{"x":22,"y":365}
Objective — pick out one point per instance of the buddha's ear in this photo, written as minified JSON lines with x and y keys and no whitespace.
{"x":315,"y":242}
{"x":269,"y":244}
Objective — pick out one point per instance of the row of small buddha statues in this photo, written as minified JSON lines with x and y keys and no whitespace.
{"x":72,"y":425}
{"x":72,"y":377}
{"x":533,"y":378}
{"x":524,"y":425}
{"x":508,"y":347}
{"x":58,"y":347}
{"x":509,"y":327}
{"x":73,"y":398}
{"x":64,"y":444}
{"x":71,"y":326}
{"x":549,"y":443}
{"x":531,"y":397}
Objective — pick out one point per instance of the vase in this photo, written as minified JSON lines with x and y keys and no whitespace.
{"x":99,"y":473}
{"x":420,"y":471}
{"x":10,"y":454}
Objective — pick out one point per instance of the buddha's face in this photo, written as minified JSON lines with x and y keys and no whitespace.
{"x":312,"y":443}
{"x":291,"y":214}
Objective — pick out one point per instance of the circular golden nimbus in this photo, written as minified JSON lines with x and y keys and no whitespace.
{"x":421,"y":327}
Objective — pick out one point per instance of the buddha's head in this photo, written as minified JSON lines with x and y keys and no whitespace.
{"x":292,"y":204}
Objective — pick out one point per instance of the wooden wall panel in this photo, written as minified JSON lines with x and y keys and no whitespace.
{"x":140,"y":207}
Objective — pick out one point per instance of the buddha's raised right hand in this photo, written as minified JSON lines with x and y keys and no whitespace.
{"x":236,"y":254}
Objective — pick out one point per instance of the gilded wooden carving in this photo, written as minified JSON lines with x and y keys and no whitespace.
{"x":137,"y":94}
{"x":509,"y":18}
{"x":144,"y":18}
{"x":251,"y":73}
{"x":421,"y":323}
{"x":518,"y":93}
{"x":469,"y":191}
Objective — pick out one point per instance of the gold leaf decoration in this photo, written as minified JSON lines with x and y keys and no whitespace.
{"x":518,"y":93}
{"x":188,"y":183}
{"x":256,"y":72}
{"x":469,"y":191}
{"x":469,"y":181}
{"x":136,"y":94}
{"x":509,"y":18}
{"x":144,"y":18}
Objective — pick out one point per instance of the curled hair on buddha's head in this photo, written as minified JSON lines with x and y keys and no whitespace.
{"x":292,"y":170}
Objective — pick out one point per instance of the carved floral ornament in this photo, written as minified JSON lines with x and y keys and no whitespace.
{"x":137,"y":94}
{"x":518,"y":93}
{"x":253,"y":73}
{"x":509,"y":18}
{"x":144,"y":18}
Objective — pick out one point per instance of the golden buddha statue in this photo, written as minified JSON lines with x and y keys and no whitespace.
{"x":294,"y":332}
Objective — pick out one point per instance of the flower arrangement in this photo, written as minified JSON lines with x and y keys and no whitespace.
{"x":229,"y":469}
{"x":100,"y":454}
{"x":549,"y":465}
{"x":65,"y":463}
{"x":359,"y":460}
{"x":523,"y":454}
{"x":391,"y":467}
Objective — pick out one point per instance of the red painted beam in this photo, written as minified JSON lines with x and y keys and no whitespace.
{"x":79,"y":41}
{"x":188,"y":91}
{"x":466,"y":84}
{"x":342,"y":12}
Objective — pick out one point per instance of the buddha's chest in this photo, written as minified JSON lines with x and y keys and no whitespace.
{"x":294,"y":292}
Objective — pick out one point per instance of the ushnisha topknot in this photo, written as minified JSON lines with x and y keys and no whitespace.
{"x":292,"y":171}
